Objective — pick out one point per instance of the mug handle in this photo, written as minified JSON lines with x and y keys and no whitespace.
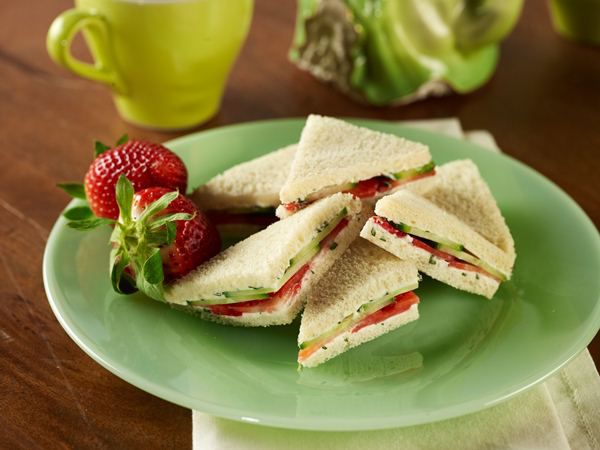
{"x":59,"y":39}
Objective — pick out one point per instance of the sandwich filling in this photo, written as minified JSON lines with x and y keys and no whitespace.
{"x":366,"y":189}
{"x":456,"y":255}
{"x":255,"y":217}
{"x":373,"y":312}
{"x":263,"y":299}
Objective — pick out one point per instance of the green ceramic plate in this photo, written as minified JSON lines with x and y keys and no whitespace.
{"x":464,"y":354}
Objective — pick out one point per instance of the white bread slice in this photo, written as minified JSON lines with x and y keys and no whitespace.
{"x":364,"y":273}
{"x":332,"y":153}
{"x":254,"y":183}
{"x":348,"y":340}
{"x":433,"y":266}
{"x":261,"y":259}
{"x":411,"y":209}
{"x":459,"y":189}
{"x":288,"y":311}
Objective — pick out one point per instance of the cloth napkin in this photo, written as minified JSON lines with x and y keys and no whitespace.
{"x":562,"y":413}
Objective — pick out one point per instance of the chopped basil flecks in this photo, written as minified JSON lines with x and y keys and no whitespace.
{"x":431,"y":259}
{"x":323,"y":226}
{"x":333,"y":245}
{"x":477,"y":276}
{"x":382,"y":239}
{"x":463,"y":274}
{"x":373,"y":232}
{"x":324,"y":348}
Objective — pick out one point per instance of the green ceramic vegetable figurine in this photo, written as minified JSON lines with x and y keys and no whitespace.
{"x":396,"y":51}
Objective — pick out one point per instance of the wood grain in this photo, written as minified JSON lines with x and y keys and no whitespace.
{"x":543,"y":106}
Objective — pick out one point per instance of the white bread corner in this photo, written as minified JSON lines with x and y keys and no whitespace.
{"x":411,"y":209}
{"x":249,"y":184}
{"x":261,"y":259}
{"x":364,"y":273}
{"x":402,"y":248}
{"x":348,"y":340}
{"x":283,"y":212}
{"x":332,"y":152}
{"x":459,"y":189}
{"x":287,"y":314}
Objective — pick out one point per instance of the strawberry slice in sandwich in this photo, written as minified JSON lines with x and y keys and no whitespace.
{"x":263,"y":279}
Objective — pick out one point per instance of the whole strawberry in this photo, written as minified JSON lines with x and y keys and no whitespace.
{"x":196,"y":239}
{"x":160,"y":235}
{"x":145,"y":164}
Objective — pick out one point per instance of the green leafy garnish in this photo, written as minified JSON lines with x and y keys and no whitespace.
{"x":78,"y":213}
{"x":75,"y":190}
{"x":136,"y":261}
{"x":100,"y":148}
{"x":122,"y":139}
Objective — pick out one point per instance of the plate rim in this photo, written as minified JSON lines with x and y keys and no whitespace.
{"x":329,"y":424}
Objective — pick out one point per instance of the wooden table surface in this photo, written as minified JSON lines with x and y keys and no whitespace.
{"x":543,"y":106}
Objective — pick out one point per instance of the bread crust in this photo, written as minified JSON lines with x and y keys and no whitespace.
{"x":332,"y":152}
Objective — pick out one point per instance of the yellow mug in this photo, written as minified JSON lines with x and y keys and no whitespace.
{"x":167,"y":61}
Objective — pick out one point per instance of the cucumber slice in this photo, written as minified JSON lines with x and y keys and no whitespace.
{"x":375,"y":305}
{"x":429,"y":236}
{"x":455,"y":247}
{"x":472,"y":260}
{"x":227,"y":300}
{"x":306,"y":254}
{"x":251,"y":294}
{"x":412,"y":172}
{"x":297,"y":262}
{"x":328,"y":335}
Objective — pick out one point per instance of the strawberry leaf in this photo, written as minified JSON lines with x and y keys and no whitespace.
{"x":157,"y":206}
{"x":162,"y":220}
{"x":75,"y":190}
{"x":100,"y":148}
{"x":88,"y":224}
{"x":157,"y":237}
{"x":171,"y":228}
{"x":154,"y":291}
{"x":153,"y":269}
{"x":122,"y":139}
{"x":124,"y":195}
{"x":150,"y":278}
{"x":163,"y":236}
{"x":120,"y":280}
{"x":78,"y":213}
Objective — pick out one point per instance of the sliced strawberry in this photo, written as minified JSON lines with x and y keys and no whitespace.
{"x":400,"y":304}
